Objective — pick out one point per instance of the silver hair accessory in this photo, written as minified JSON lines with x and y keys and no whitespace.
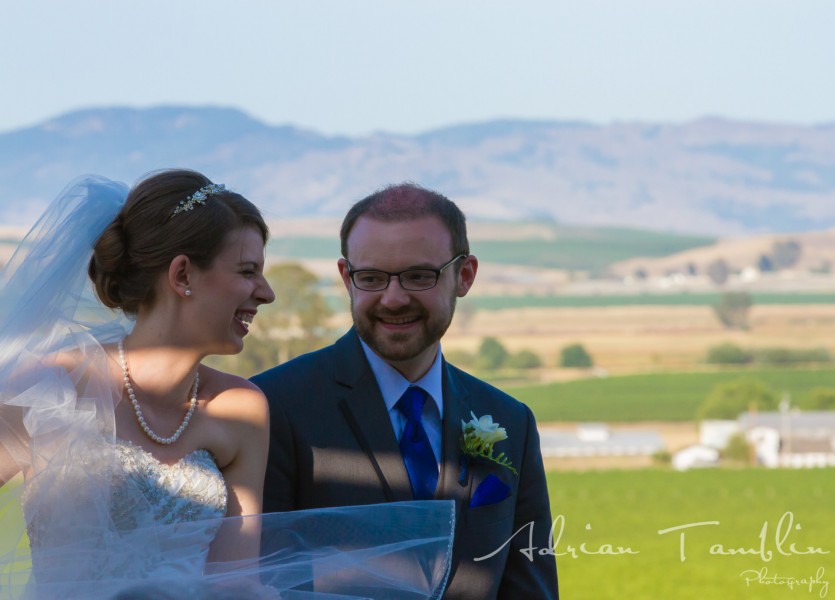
{"x":199,"y":197}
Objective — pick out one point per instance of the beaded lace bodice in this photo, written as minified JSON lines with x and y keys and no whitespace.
{"x":187,"y":497}
{"x":189,"y":490}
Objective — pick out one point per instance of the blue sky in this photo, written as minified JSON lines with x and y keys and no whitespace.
{"x":359,"y":66}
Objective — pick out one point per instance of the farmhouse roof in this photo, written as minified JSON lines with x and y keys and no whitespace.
{"x":806,"y":446}
{"x":617,"y":443}
{"x":818,"y":423}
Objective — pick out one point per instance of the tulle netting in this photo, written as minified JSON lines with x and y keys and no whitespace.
{"x":57,"y":397}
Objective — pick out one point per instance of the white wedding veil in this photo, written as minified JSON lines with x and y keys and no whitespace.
{"x":56,"y":419}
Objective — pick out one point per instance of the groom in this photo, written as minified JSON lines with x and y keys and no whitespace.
{"x":377,"y":416}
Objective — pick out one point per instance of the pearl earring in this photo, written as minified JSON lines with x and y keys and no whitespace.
{"x":187,"y":292}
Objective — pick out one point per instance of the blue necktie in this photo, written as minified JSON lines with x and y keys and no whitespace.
{"x":414,"y":445}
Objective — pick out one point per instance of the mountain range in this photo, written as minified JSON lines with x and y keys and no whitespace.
{"x":710,"y":176}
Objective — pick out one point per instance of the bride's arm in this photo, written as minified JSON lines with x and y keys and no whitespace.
{"x":244,"y":476}
{"x":30,"y":381}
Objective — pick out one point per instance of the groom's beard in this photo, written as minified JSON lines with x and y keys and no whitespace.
{"x":395,"y":346}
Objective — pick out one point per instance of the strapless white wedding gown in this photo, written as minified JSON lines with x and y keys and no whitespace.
{"x":162,"y":520}
{"x":152,"y":536}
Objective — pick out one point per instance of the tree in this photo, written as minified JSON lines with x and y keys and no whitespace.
{"x":727,"y":354}
{"x":765,"y":264}
{"x":524,"y":359}
{"x":730,"y":399}
{"x":662,"y":457}
{"x":491,"y":354}
{"x":297,"y":322}
{"x":737,"y":449}
{"x":460,"y":358}
{"x":791,"y":356}
{"x":575,"y":356}
{"x":732,"y":309}
{"x":823,"y":398}
{"x":786,"y":253}
{"x":718,"y":271}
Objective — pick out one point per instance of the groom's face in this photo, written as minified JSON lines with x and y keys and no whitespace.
{"x":401,"y":326}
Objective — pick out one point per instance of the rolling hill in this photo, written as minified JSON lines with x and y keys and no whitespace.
{"x":710,"y":176}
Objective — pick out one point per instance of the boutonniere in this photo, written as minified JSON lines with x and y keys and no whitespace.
{"x":478,"y":435}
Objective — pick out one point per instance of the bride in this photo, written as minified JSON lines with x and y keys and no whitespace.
{"x":143,"y":469}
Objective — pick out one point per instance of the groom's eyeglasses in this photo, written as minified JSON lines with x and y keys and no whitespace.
{"x":412,"y":280}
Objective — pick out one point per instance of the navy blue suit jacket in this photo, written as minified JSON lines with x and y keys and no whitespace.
{"x":332,"y":444}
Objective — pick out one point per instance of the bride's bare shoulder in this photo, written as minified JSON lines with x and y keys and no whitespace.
{"x":232,"y":393}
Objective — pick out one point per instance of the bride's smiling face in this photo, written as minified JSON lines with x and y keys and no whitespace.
{"x":226,"y":296}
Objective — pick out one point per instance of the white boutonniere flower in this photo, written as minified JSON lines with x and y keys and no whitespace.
{"x":478,"y":435}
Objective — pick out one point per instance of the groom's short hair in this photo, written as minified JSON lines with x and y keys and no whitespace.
{"x":407,"y":202}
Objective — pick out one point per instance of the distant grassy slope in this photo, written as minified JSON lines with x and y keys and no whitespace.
{"x":573,"y":248}
{"x":655,"y":397}
{"x":676,"y":299}
{"x":585,"y":248}
{"x":304,"y":247}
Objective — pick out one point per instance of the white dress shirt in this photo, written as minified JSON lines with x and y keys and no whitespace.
{"x":392,"y":385}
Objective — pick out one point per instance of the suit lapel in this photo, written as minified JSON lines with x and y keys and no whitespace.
{"x":457,"y":406}
{"x":364,"y":409}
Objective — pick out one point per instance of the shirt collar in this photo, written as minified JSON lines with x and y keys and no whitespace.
{"x":393,"y":384}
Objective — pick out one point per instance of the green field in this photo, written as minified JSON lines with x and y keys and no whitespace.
{"x":628,"y":508}
{"x":585,"y":248}
{"x":655,"y":397}
{"x":678,"y":299}
{"x":618,"y":515}
{"x":304,"y":247}
{"x":11,"y":525}
{"x":589,"y":249}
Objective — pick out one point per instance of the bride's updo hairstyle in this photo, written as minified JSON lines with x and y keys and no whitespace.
{"x":159,"y":221}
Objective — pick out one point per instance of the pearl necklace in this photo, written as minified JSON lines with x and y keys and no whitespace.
{"x":145,"y":427}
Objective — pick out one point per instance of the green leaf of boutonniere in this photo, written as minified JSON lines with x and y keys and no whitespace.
{"x":478,"y":437}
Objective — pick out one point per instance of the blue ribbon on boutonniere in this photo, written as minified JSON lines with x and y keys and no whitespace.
{"x":491,"y":491}
{"x":478,"y":435}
